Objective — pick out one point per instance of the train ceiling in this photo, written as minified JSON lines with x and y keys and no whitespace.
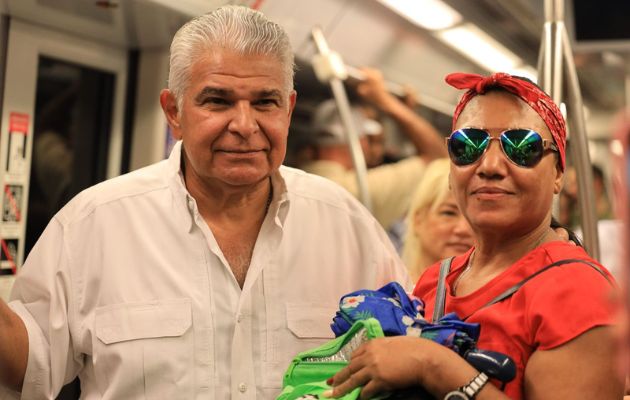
{"x":364,"y":32}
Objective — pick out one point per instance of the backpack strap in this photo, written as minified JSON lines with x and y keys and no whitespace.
{"x":440,"y":294}
{"x":509,"y":292}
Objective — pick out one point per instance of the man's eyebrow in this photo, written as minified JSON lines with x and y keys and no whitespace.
{"x":269,"y":93}
{"x":212,"y":91}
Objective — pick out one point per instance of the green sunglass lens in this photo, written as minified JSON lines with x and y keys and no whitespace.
{"x":467,"y":145}
{"x":523,"y":146}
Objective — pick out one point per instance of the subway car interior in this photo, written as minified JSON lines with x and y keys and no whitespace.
{"x":80,"y":83}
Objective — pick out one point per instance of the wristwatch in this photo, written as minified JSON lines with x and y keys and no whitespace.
{"x":469,"y":391}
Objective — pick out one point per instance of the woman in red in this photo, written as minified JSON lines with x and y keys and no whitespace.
{"x":507,"y":161}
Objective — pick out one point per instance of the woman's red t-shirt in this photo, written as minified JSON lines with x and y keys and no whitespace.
{"x":548,"y":311}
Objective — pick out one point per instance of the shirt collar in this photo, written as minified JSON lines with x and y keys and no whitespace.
{"x":278,"y":208}
{"x":185,"y":203}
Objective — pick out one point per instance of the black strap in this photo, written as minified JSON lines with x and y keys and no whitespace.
{"x":441,"y":290}
{"x":514,"y":288}
{"x":440,"y":295}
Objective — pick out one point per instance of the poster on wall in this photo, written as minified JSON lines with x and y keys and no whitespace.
{"x":18,"y":133}
{"x":14,"y":177}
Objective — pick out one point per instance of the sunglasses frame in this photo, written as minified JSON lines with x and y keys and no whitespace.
{"x":547,"y":144}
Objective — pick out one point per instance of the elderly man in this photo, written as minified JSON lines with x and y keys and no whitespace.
{"x":200,"y":276}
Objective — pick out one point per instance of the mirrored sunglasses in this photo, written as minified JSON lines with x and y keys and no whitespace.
{"x":523,"y":147}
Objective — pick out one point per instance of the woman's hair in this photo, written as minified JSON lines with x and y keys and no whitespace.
{"x":431,"y":192}
{"x":236,"y":28}
{"x":555,"y":224}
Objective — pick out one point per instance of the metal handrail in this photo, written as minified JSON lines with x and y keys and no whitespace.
{"x":556,"y":57}
{"x":334,"y":78}
{"x":398,"y":90}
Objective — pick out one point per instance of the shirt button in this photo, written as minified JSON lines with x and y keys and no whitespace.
{"x":239,"y":317}
{"x":242,"y":387}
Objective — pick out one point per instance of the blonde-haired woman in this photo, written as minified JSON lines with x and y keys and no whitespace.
{"x":436,"y":229}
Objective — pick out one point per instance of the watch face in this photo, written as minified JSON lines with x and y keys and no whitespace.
{"x":455,"y":395}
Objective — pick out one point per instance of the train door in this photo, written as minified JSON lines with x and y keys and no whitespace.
{"x":62,"y":130}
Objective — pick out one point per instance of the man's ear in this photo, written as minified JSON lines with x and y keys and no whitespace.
{"x":292,"y":99}
{"x":171,"y":112}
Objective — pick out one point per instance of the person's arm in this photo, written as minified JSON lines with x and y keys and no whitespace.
{"x":388,"y":364}
{"x":426,"y":139}
{"x":13,"y":348}
{"x":583,"y":368}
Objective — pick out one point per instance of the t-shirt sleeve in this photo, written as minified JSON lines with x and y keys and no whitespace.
{"x":568,"y":301}
{"x":427,"y":281}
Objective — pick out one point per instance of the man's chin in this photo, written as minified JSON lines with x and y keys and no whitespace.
{"x":244,"y":178}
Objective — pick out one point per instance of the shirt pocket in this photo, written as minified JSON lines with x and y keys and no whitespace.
{"x":145,"y":350}
{"x":307,"y":327}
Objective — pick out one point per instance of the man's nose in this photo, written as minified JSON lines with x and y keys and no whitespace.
{"x":243,"y":121}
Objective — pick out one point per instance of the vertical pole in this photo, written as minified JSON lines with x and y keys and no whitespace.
{"x":544,"y":58}
{"x":343,"y":106}
{"x":579,"y":149}
{"x":358,"y":159}
{"x":550,"y":64}
{"x":555,"y":51}
{"x":551,"y":81}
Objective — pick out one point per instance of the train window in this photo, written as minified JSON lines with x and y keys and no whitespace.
{"x":72,"y":125}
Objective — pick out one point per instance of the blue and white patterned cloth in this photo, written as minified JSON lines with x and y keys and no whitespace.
{"x":400,"y":314}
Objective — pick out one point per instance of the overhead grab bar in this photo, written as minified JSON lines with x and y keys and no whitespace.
{"x":398,"y":90}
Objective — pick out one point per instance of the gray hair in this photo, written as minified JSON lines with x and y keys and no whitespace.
{"x":236,"y":28}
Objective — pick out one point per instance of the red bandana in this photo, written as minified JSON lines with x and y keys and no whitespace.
{"x":528,"y":92}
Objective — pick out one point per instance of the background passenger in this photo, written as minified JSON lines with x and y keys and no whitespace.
{"x":436,"y":229}
{"x":609,"y":229}
{"x":390,"y":185}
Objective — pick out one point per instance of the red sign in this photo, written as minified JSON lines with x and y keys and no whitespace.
{"x":18,"y":122}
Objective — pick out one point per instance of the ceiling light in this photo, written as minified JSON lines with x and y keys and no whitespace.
{"x":429,"y":14}
{"x":480,"y":48}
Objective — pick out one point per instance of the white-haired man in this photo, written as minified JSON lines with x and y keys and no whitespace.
{"x":200,"y":276}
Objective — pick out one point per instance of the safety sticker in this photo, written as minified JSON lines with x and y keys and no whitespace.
{"x":8,"y":255}
{"x":12,"y":203}
{"x":18,"y":132}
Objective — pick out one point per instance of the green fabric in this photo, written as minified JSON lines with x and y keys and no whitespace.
{"x":313,"y":390}
{"x":306,"y":376}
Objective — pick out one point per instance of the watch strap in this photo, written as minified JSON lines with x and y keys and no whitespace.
{"x":475,"y":385}
{"x":470,"y":390}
